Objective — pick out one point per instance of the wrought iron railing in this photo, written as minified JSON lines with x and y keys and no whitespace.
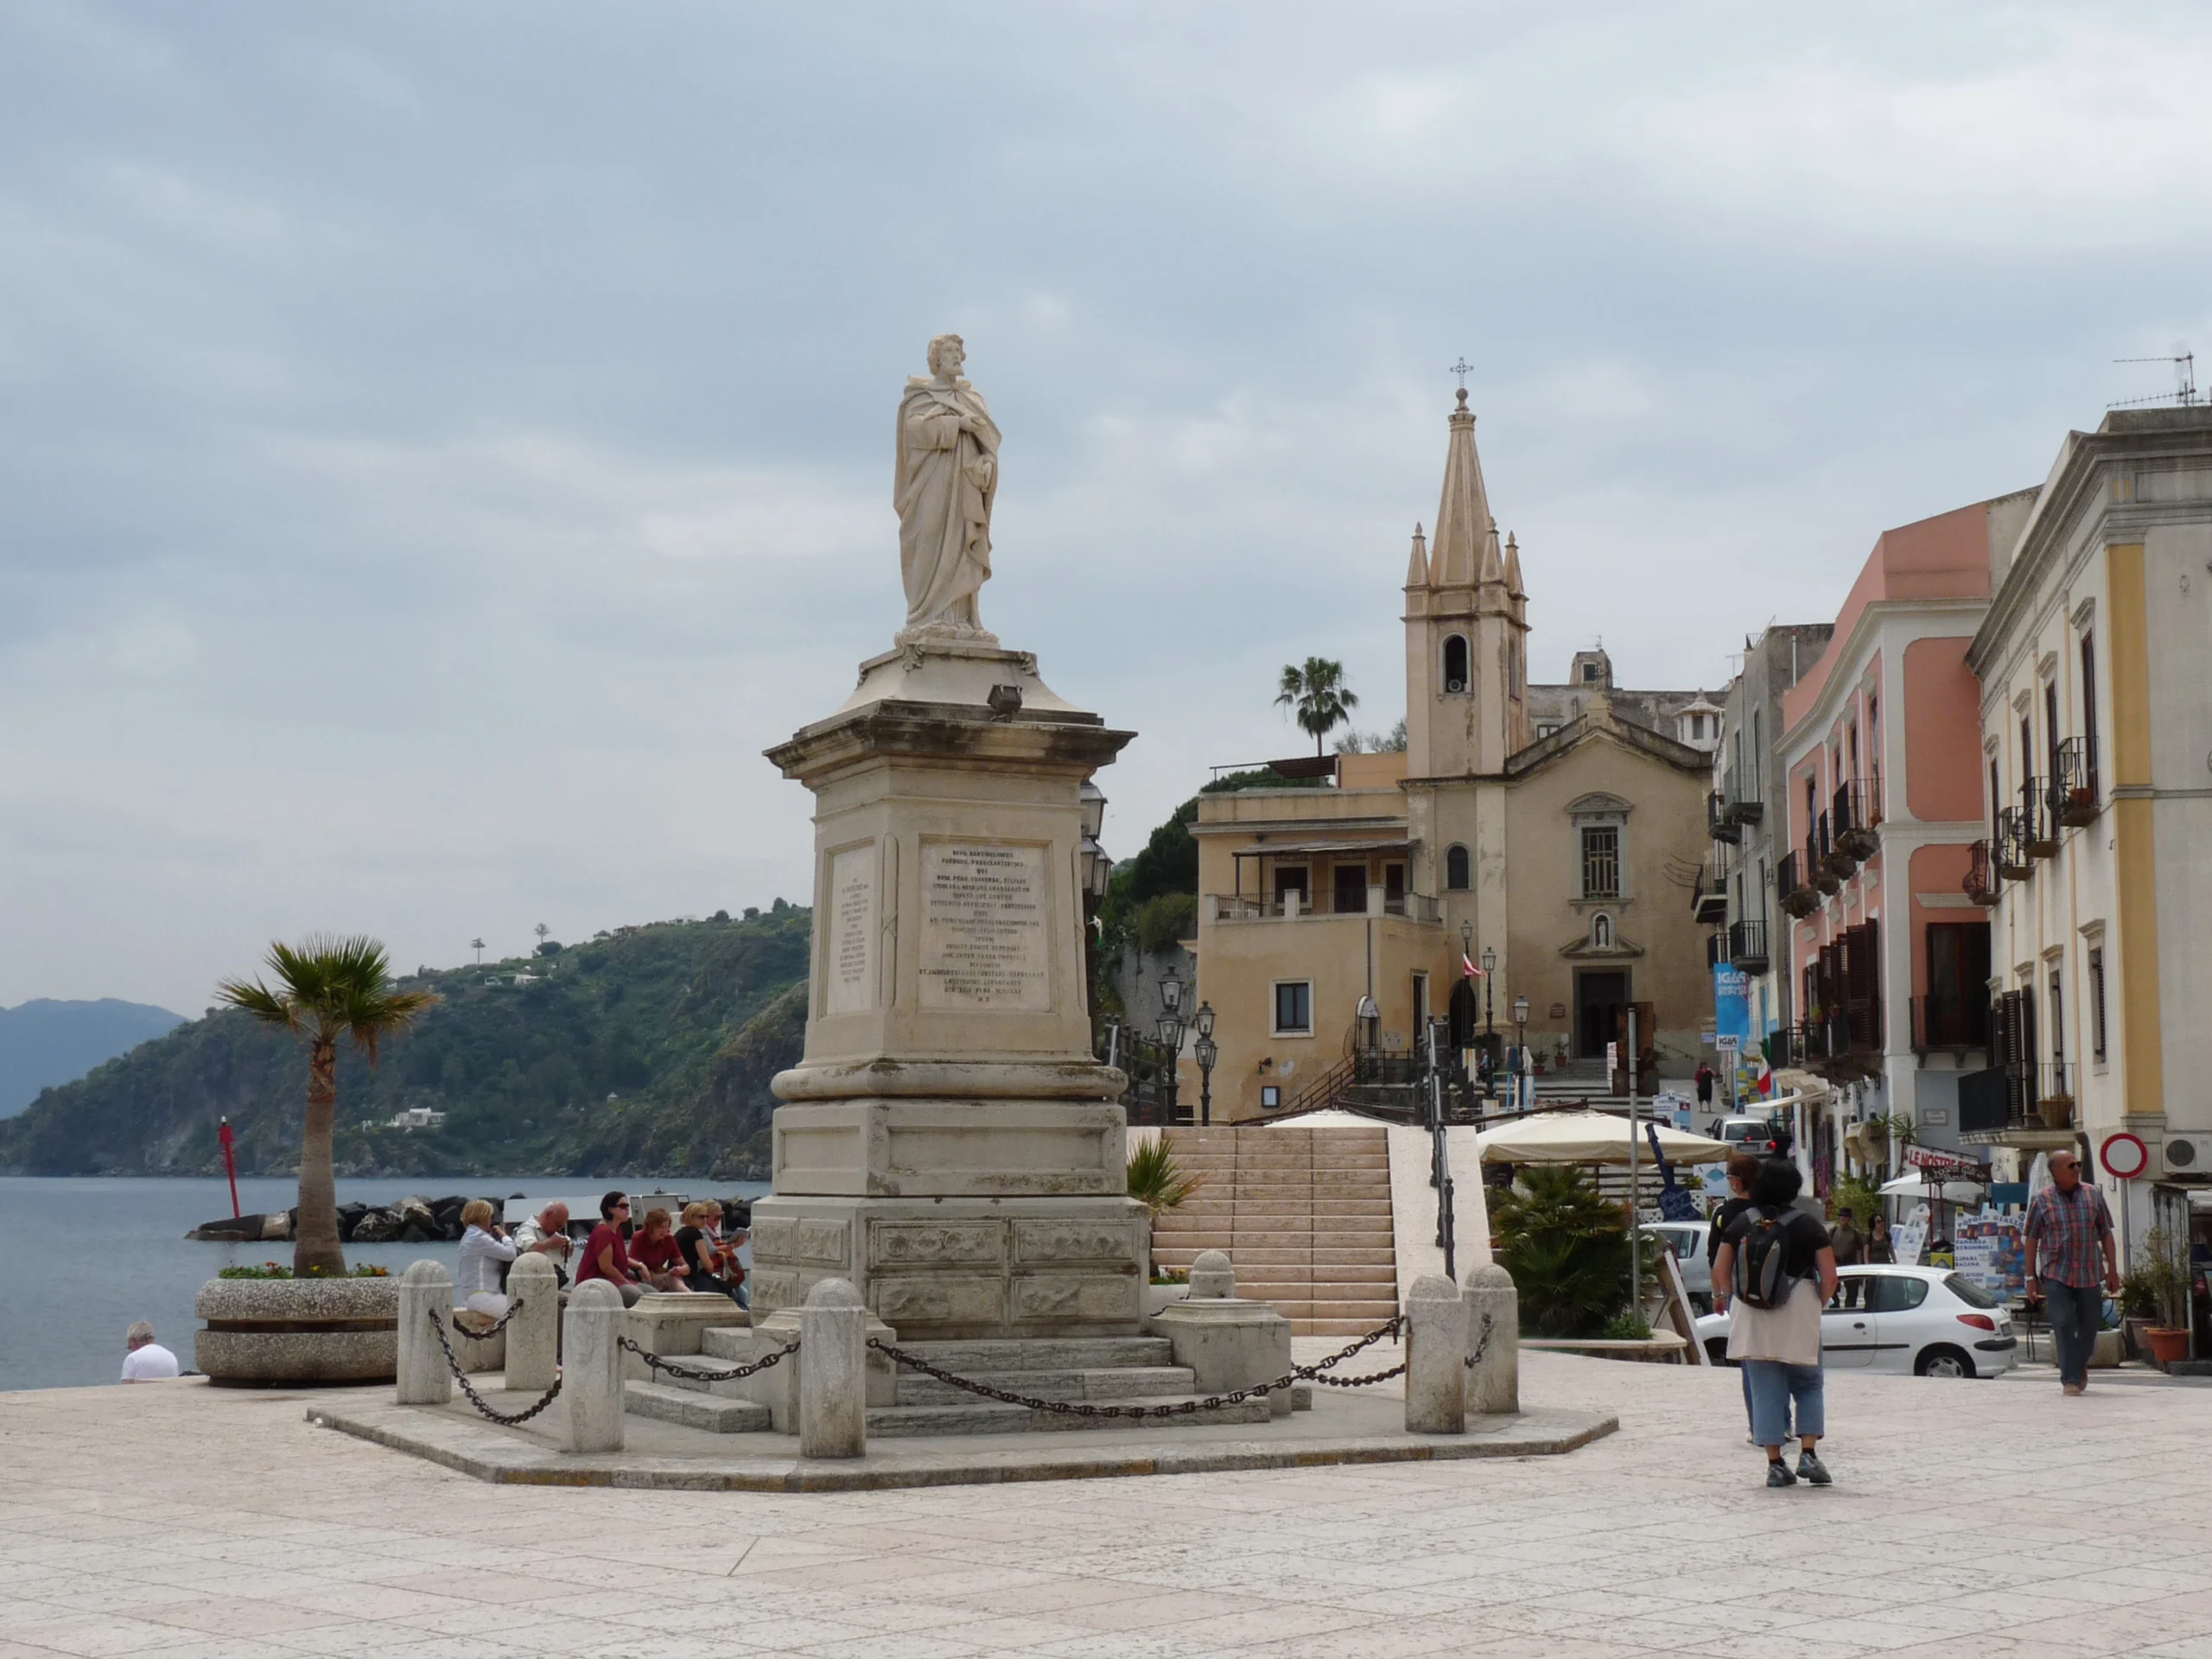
{"x":1294,"y":902}
{"x":2038,"y":825}
{"x":1719,"y":822}
{"x":1747,"y":945}
{"x":1855,"y":811}
{"x":1797,"y":894}
{"x":1979,"y":882}
{"x":2074,"y":782}
{"x":1958,"y":1020}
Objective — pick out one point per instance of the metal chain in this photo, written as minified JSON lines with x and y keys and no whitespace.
{"x":1490,"y":1323}
{"x":513,"y":1308}
{"x":510,"y":1418}
{"x":656,"y":1362}
{"x":1179,"y":1409}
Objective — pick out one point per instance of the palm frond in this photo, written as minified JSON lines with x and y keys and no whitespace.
{"x":1156,"y":1180}
{"x":257,"y":1000}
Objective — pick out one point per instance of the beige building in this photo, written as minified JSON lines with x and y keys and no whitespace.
{"x":2096,"y":734}
{"x":1555,"y":830}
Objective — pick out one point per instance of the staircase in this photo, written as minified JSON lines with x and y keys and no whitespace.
{"x":1119,"y":1370}
{"x":1305,"y":1215}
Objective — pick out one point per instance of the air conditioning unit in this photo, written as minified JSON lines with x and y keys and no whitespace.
{"x":2188,"y":1154}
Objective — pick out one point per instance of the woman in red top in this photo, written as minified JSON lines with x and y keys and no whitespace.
{"x":655,"y":1253}
{"x":605,"y":1255}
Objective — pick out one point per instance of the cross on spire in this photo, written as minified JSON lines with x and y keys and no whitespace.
{"x":1463,"y":369}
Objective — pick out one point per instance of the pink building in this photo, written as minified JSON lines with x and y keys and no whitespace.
{"x":1888,"y":946}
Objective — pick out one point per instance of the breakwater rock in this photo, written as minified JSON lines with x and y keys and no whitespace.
{"x":408,"y":1221}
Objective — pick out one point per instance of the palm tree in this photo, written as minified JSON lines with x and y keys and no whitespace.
{"x":1317,"y":694}
{"x":327,"y":987}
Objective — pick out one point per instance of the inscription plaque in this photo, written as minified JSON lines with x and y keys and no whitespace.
{"x":983,"y":942}
{"x":848,"y":959}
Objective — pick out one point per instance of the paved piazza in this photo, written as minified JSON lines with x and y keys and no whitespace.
{"x":1982,"y":1518}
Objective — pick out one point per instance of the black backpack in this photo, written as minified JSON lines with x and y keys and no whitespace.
{"x":1761,"y":1278}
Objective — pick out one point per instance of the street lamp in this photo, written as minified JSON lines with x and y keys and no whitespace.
{"x":1520,"y":1044}
{"x":1169,"y":1030}
{"x":1093,"y":801}
{"x":1208,"y":1052}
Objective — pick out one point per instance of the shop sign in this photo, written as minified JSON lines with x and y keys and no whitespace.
{"x":1944,"y":1164}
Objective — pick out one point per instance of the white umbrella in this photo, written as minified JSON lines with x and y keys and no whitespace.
{"x":1915,"y":1186}
{"x":1591,"y":1138}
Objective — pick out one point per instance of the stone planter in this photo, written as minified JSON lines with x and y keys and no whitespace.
{"x":297,"y":1333}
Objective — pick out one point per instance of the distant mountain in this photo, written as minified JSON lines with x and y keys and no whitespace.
{"x":648,"y":1050}
{"x":44,"y":1042}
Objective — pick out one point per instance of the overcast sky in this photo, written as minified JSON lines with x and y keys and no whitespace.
{"x":442,"y":446}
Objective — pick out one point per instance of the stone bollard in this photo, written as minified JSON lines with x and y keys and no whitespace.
{"x":591,"y":1378}
{"x":1211,"y":1275}
{"x":1494,"y":1328}
{"x":425,"y":1379}
{"x":833,"y":1372}
{"x":534,"y":1333}
{"x":1436,"y":1358}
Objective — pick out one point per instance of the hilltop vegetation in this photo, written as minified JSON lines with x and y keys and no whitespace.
{"x":646,"y":1052}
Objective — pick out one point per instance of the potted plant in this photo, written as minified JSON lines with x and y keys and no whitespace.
{"x":317,"y":1323}
{"x":2165,"y":1279}
{"x":1160,"y":1184}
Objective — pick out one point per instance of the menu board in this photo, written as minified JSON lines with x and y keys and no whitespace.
{"x":1912,"y":1237}
{"x":985,"y":944}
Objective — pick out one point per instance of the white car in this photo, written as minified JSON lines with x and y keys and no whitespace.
{"x":1686,"y":1240}
{"x":1904,"y":1321}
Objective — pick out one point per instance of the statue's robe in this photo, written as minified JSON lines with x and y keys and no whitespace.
{"x":946,"y":481}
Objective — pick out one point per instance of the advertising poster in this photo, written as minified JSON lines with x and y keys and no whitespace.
{"x":1913,"y":1236}
{"x":1992,"y":1252}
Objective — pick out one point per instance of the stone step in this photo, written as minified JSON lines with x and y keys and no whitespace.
{"x":731,"y":1341}
{"x":974,"y":1358}
{"x":981,"y":1416}
{"x":1335,"y":1327}
{"x":1122,"y":1382}
{"x":692,"y":1410}
{"x":1316,"y":1273}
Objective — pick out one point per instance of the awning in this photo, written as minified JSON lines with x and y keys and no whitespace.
{"x":1591,"y":1138}
{"x":1319,"y":848}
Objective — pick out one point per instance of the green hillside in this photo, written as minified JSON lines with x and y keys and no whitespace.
{"x":647,"y":1051}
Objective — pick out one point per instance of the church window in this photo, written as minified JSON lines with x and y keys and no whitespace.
{"x":1455,"y":868}
{"x":1697,"y":726}
{"x":1455,"y":662}
{"x":1601,"y":931}
{"x":1601,"y":861}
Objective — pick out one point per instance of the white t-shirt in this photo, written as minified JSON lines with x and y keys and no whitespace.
{"x":148,"y":1364}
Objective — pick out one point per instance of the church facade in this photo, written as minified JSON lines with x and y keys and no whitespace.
{"x":1554,"y":831}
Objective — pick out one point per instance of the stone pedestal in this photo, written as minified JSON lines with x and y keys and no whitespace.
{"x":591,"y":1374}
{"x":948,"y":1145}
{"x":533,"y":1356}
{"x":425,"y":1295}
{"x":667,"y":1323}
{"x":1227,"y":1342}
{"x":833,"y":1393}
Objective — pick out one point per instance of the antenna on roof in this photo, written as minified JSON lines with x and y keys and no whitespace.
{"x":2184,"y":395}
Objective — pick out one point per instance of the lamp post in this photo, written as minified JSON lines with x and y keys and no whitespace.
{"x":1097,"y":875}
{"x":1489,"y":1000}
{"x":1520,"y":1048}
{"x":1170,"y":1033}
{"x":1207,"y":1054}
{"x":1466,"y":966}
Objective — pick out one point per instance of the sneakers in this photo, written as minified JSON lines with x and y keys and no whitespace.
{"x":1777,"y":1473}
{"x":1810,"y":1466}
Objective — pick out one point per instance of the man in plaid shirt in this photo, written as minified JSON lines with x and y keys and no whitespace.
{"x":2068,"y":1229}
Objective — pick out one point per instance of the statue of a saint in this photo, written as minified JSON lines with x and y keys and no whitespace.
{"x":948,"y":475}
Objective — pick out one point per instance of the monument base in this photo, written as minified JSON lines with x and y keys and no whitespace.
{"x":969,"y":1267}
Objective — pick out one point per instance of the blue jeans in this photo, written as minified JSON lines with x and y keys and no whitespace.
{"x":1774,"y":1386}
{"x":2075,"y":1312}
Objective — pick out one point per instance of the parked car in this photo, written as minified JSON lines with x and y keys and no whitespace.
{"x":1903,"y":1321}
{"x":1686,"y":1240}
{"x":1759,"y":1137}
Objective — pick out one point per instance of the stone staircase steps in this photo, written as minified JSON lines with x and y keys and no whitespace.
{"x":1126,"y":1382}
{"x":981,"y":1416}
{"x":686,"y":1405}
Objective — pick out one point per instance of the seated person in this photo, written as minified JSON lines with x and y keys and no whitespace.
{"x":714,"y":1264}
{"x":546,"y":1234}
{"x":145,"y":1360}
{"x":485,"y":1248}
{"x":654,"y":1251}
{"x":607,"y":1256}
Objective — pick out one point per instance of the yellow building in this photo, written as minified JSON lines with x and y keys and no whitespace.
{"x":1567,"y":857}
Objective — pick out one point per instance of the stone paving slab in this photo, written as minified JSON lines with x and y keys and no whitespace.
{"x":1998,"y":1519}
{"x":674,"y":1455}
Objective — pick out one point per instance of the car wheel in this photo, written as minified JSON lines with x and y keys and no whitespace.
{"x":1943,"y":1362}
{"x":1716,"y":1350}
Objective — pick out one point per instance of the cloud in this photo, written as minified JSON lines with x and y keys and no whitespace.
{"x":440,"y":448}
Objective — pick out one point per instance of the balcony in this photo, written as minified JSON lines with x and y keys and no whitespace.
{"x":1954,"y":1022}
{"x":1747,"y":946}
{"x":2010,"y":848}
{"x":1739,"y":802}
{"x":1837,"y":865}
{"x":2073,"y":783}
{"x":2027,"y":1105}
{"x":1980,"y":881}
{"x":2039,"y":826}
{"x":1798,"y":896}
{"x":1718,"y":823}
{"x":1709,"y":897}
{"x":1712,"y":943}
{"x":1293,"y":904}
{"x":1855,"y":813}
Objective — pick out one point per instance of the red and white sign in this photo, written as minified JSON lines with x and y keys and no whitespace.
{"x":1945,"y":1164}
{"x":2124,"y":1156}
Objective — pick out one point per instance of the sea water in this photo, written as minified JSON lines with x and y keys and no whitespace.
{"x":85,"y":1257}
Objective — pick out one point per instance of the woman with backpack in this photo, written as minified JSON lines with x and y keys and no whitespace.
{"x":1773,"y":1276}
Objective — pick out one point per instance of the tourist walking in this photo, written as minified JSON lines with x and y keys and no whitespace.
{"x":485,"y":1249}
{"x":1704,"y":1084}
{"x":2072,"y":1262}
{"x":145,"y":1360}
{"x":1881,"y":1250}
{"x":1850,"y":1248}
{"x":1743,"y":1171}
{"x":1773,"y":1275}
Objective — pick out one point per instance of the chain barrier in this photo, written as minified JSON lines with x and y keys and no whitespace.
{"x":1490,"y":1323}
{"x":513,"y":1308}
{"x":510,"y":1418}
{"x":690,"y":1375}
{"x":1179,"y":1409}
